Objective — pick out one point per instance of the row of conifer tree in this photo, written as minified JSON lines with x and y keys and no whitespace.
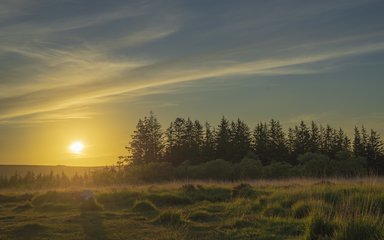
{"x":190,"y":140}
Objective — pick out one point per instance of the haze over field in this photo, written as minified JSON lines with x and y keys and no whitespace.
{"x":75,"y":76}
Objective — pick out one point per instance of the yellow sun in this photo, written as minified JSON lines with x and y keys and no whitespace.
{"x":76,"y":147}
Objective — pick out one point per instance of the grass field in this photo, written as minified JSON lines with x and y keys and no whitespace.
{"x":286,"y":209}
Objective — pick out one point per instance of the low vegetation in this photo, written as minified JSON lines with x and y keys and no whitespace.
{"x":292,"y":209}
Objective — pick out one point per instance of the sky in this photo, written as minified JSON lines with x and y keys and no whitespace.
{"x":87,"y":70}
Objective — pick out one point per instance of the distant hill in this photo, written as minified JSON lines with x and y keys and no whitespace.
{"x":9,"y":170}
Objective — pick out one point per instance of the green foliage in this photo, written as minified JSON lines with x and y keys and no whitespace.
{"x":277,"y":170}
{"x":250,"y":168}
{"x":315,"y":164}
{"x":218,"y":169}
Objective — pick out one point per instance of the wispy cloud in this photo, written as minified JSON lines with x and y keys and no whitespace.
{"x":86,"y":59}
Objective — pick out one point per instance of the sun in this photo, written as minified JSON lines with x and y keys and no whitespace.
{"x":76,"y":147}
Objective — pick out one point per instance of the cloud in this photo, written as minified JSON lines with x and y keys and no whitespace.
{"x":78,"y":60}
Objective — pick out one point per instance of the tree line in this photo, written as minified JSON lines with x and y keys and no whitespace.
{"x":187,"y":141}
{"x":40,"y":180}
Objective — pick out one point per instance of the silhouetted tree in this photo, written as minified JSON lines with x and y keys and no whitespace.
{"x":260,"y":139}
{"x":240,"y":140}
{"x":276,"y":145}
{"x":223,"y":140}
{"x":209,"y":145}
{"x":147,"y":143}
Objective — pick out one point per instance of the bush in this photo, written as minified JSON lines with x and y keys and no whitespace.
{"x":315,"y":164}
{"x":218,"y":169}
{"x":250,"y":168}
{"x":277,"y":170}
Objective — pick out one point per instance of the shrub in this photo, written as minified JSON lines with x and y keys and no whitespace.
{"x":277,"y":170}
{"x":218,"y":169}
{"x":250,"y":168}
{"x":315,"y":164}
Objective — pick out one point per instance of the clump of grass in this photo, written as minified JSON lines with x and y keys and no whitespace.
{"x":301,"y":209}
{"x":242,"y":223}
{"x":201,"y":216}
{"x":144,"y":206}
{"x":364,"y":228}
{"x":23,"y":207}
{"x":320,"y":227}
{"x":167,"y":199}
{"x":15,"y":198}
{"x":91,"y":205}
{"x":243,"y":190}
{"x":276,"y":211}
{"x":55,"y":207}
{"x":119,"y":199}
{"x":26,"y":230}
{"x":171,"y":218}
{"x":211,"y":194}
{"x":55,"y":197}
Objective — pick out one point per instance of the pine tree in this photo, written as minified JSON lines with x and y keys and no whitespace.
{"x":147,"y":143}
{"x":260,"y":139}
{"x":240,"y":142}
{"x":223,"y":138}
{"x":277,"y":147}
{"x":209,"y":145}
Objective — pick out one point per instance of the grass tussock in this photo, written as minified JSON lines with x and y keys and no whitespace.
{"x":23,"y":207}
{"x":144,"y":206}
{"x":310,"y":210}
{"x":170,"y":218}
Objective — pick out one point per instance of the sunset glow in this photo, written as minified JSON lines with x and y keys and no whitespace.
{"x":89,"y":70}
{"x":76,"y":147}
